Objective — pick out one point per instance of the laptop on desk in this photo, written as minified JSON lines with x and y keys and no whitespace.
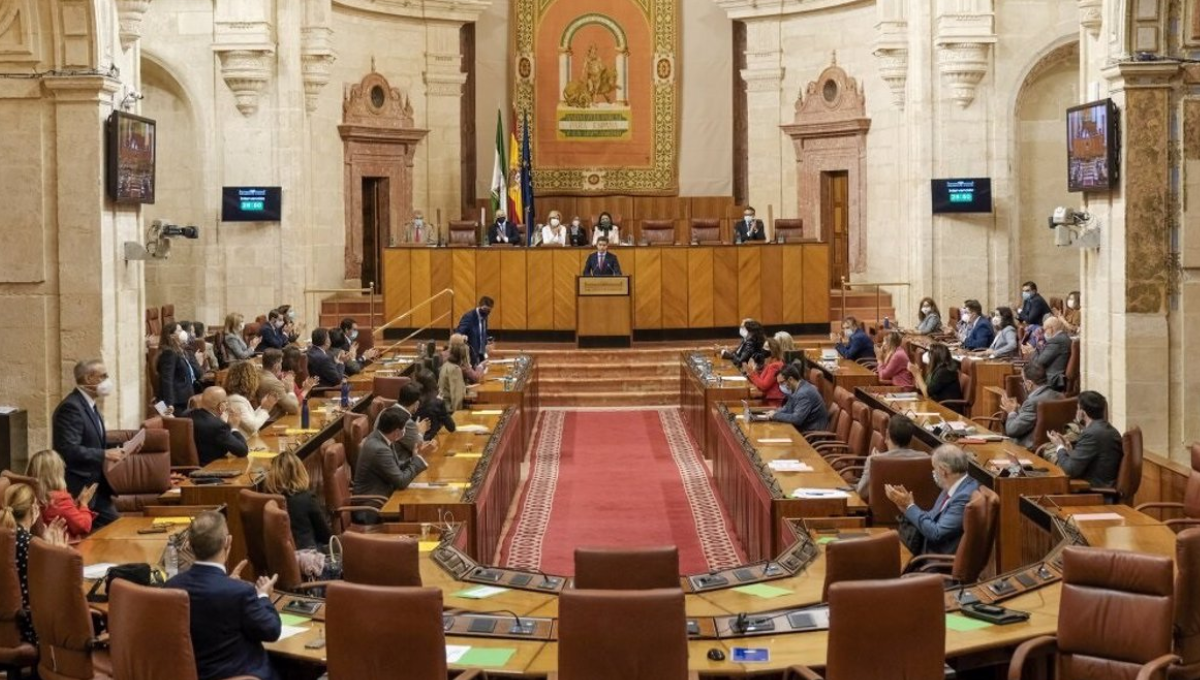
{"x":753,"y":415}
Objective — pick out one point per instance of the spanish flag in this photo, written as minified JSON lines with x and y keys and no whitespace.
{"x":515,"y":205}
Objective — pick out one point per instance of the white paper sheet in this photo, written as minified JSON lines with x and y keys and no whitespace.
{"x":286,"y":632}
{"x":774,"y":440}
{"x":96,"y":571}
{"x":1098,"y":517}
{"x":456,"y":652}
{"x":819,"y":493}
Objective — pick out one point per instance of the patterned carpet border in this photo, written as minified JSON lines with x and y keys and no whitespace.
{"x":533,"y":515}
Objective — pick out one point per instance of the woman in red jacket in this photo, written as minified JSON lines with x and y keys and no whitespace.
{"x":763,"y":377}
{"x":48,"y":469}
{"x":893,"y":362}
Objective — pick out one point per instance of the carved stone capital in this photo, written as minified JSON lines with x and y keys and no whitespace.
{"x":246,"y":71}
{"x":444,"y":76}
{"x":129,"y":16}
{"x":763,"y":79}
{"x":891,"y":49}
{"x":962,"y":65}
{"x":1091,"y":16}
{"x":316,"y":63}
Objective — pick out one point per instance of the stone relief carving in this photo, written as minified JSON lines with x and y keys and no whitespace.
{"x":246,"y":71}
{"x":316,"y":63}
{"x":1091,"y":16}
{"x":18,"y":39}
{"x":891,"y":48}
{"x":129,"y":16}
{"x":964,"y":37}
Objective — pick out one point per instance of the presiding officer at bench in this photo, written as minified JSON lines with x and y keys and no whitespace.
{"x":601,"y":262}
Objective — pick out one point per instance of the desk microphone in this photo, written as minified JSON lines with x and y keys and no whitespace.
{"x":519,"y":627}
{"x":548,"y":581}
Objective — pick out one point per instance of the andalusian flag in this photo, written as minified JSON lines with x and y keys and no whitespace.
{"x":499,"y":172}
{"x":515,"y":204}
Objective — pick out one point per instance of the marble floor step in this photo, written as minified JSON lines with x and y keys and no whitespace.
{"x":658,"y":398}
{"x":603,"y":370}
{"x":550,"y":385}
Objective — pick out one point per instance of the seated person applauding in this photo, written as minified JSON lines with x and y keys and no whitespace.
{"x":576,"y":234}
{"x":975,"y":332}
{"x":48,"y":468}
{"x":893,"y":362}
{"x":939,"y":382}
{"x":1021,"y":418}
{"x":1069,"y":313}
{"x":271,"y":334}
{"x":503,"y":231}
{"x":606,"y":229}
{"x":19,"y":512}
{"x":929,"y":319}
{"x":235,"y":345}
{"x":379,"y":470}
{"x":938,"y":529}
{"x":231,"y":618}
{"x":1055,"y":353}
{"x":554,"y":233}
{"x":1033,"y":306}
{"x":754,"y":339}
{"x":327,"y":364}
{"x":762,"y":376}
{"x":310,"y":530}
{"x":804,"y":408}
{"x":1097,"y":455}
{"x":241,"y":385}
{"x":433,"y":407}
{"x":855,"y":344}
{"x":276,"y":382}
{"x":900,"y":432}
{"x":1004,"y":345}
{"x":749,"y":229}
{"x":214,"y":427}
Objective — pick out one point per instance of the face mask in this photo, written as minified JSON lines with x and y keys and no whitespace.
{"x":279,"y":323}
{"x":605,"y":222}
{"x":575,"y":225}
{"x":786,"y":388}
{"x":418,"y":222}
{"x":183,"y":337}
{"x":105,"y":388}
{"x":966,"y":316}
{"x":996,"y":321}
{"x":500,"y":220}
{"x":1070,"y":304}
{"x":241,"y":327}
{"x":937,"y":479}
{"x":291,"y":316}
{"x":749,"y":218}
{"x":926,"y":310}
{"x":485,"y":312}
{"x":847,"y":332}
{"x":554,"y":222}
{"x":743,"y":332}
{"x":925,"y":358}
{"x":352,"y":335}
{"x":1025,"y":294}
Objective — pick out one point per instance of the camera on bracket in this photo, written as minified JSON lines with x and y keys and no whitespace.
{"x":1074,"y":228}
{"x":158,"y":240}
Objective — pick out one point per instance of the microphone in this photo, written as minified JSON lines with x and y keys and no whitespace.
{"x":519,"y":627}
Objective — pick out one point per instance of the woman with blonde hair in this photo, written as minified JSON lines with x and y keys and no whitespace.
{"x":242,"y":385}
{"x":893,"y":362}
{"x":554,"y":233}
{"x":19,"y":514}
{"x":471,"y":375}
{"x":48,"y":468}
{"x":763,"y":375}
{"x":786,"y":342}
{"x":451,"y":384}
{"x":235,"y":345}
{"x":288,"y":478}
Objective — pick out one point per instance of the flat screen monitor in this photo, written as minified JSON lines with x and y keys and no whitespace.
{"x":1092,"y":146}
{"x":130,"y":154}
{"x":962,"y":195}
{"x":250,"y":204}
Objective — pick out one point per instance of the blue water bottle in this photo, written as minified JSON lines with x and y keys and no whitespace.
{"x":304,"y":415}
{"x":345,"y":394}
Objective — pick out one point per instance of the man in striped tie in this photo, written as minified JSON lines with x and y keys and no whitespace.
{"x":941,"y":526}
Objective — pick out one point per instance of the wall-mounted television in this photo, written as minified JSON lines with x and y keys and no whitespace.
{"x":129,"y":142}
{"x":1093,"y":147}
{"x":250,"y":204}
{"x":962,"y":195}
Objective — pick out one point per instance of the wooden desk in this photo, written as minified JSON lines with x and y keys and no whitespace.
{"x":989,"y":373}
{"x":843,"y":373}
{"x":513,"y":381}
{"x":1051,"y":479}
{"x":701,"y":390}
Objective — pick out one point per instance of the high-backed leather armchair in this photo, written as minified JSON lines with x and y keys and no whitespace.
{"x":658,"y":232}
{"x":1191,"y":497}
{"x":1187,"y":604}
{"x":861,"y":559}
{"x":871,"y":626}
{"x":181,"y":439}
{"x":150,"y":634}
{"x":966,"y":383}
{"x":380,"y":560}
{"x":167,"y":314}
{"x":250,"y":509}
{"x":849,"y":456}
{"x":1122,"y":609}
{"x":627,"y":569}
{"x":464,"y":233}
{"x":1129,"y":474}
{"x":916,"y":474}
{"x":1072,"y":373}
{"x":153,"y":322}
{"x":376,"y":407}
{"x":388,"y":387}
{"x":705,"y":230}
{"x":789,"y":230}
{"x":144,"y":475}
{"x":1052,"y":414}
{"x":67,"y":644}
{"x":627,"y":634}
{"x":981,"y":522}
{"x":14,"y":653}
{"x":280,"y":549}
{"x":377,"y":633}
{"x":355,"y":428}
{"x":338,"y":478}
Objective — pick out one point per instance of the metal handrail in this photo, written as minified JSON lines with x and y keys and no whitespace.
{"x":419,"y":305}
{"x":846,"y":285}
{"x":414,"y":334}
{"x":369,"y":290}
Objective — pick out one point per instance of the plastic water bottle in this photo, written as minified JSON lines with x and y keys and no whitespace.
{"x":304,"y":415}
{"x":345,"y":394}
{"x":887,"y":323}
{"x":171,"y":559}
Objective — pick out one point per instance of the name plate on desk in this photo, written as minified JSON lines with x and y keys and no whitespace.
{"x":603,"y":285}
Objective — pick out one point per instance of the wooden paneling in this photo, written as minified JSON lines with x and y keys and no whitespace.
{"x":675,"y":287}
{"x":422,"y":282}
{"x":772,"y":284}
{"x":725,"y":288}
{"x":539,"y":282}
{"x":442,"y":277}
{"x":513,"y":290}
{"x":566,"y":267}
{"x":487,"y":282}
{"x":647,"y":288}
{"x":792,"y":283}
{"x":397,"y":284}
{"x":816,"y":283}
{"x":604,"y":316}
{"x":463,"y":260}
{"x":700,"y":287}
{"x":750,"y":290}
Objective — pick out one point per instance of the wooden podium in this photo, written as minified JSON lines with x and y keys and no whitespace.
{"x":603,"y":312}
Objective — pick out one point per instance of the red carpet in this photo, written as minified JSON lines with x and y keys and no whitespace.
{"x":617,"y":479}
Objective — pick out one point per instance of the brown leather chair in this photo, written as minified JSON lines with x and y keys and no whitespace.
{"x":181,"y":440}
{"x":916,"y":474}
{"x":153,"y":322}
{"x":167,"y":314}
{"x":150,"y":635}
{"x":839,"y":419}
{"x":1122,"y":608}
{"x":1129,"y":474}
{"x":705,"y":230}
{"x":789,"y":230}
{"x":1191,"y":497}
{"x":849,"y":457}
{"x":143,"y":476}
{"x":861,"y":559}
{"x":464,"y":233}
{"x":376,"y":407}
{"x":280,"y":549}
{"x":338,"y":480}
{"x":388,"y":387}
{"x":627,"y":569}
{"x":879,"y":421}
{"x":1052,"y":414}
{"x":966,"y":383}
{"x":1072,"y":373}
{"x":380,"y":560}
{"x":981,"y":523}
{"x":14,"y":654}
{"x":404,"y":639}
{"x":627,"y":634}
{"x":355,"y":428}
{"x":67,"y":644}
{"x":1187,"y":604}
{"x":871,"y":626}
{"x":658,"y":232}
{"x":250,"y":509}
{"x":1014,"y":387}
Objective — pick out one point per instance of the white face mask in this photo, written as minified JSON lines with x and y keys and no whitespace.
{"x":105,"y":388}
{"x":786,"y":388}
{"x":847,"y":332}
{"x":926,"y":310}
{"x":554,"y":222}
{"x":925,"y":358}
{"x":352,"y":335}
{"x":1070,"y":304}
{"x":241,"y":327}
{"x":575,"y":224}
{"x":966,"y":316}
{"x":182,"y":336}
{"x":749,"y":218}
{"x":937,"y":479}
{"x":743,"y":332}
{"x":418,"y":222}
{"x":996,"y":321}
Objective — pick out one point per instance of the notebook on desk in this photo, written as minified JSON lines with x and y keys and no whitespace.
{"x":751,"y":415}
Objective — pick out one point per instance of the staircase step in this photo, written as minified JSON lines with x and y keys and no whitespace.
{"x":564,"y":385}
{"x":658,"y":398}
{"x":663,"y":371}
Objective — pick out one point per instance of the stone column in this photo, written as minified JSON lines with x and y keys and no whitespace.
{"x":444,"y":78}
{"x":764,"y":113}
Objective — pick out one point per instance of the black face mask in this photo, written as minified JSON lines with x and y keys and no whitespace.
{"x":485,"y":313}
{"x":500,"y":220}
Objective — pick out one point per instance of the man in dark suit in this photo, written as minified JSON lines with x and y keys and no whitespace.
{"x":379,"y":470}
{"x":804,"y":408}
{"x":1033,"y":306}
{"x":900,"y":432}
{"x":230,"y":618}
{"x":976,"y":332}
{"x":272,"y":333}
{"x":1056,"y":353}
{"x":410,"y":444}
{"x":601,"y":262}
{"x":214,"y":427}
{"x":1097,"y":455}
{"x":940,"y":527}
{"x":474,"y":325}
{"x":1022,"y":418}
{"x":502,"y":232}
{"x":79,"y":436}
{"x":324,"y":362}
{"x":749,"y":229}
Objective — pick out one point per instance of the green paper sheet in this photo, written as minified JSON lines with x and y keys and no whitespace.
{"x":963,"y":624}
{"x":826,"y":539}
{"x":763,"y":590}
{"x":479,"y":592}
{"x":489,"y":657}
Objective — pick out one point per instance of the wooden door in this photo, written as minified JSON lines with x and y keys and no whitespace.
{"x":376,"y":229}
{"x":835,"y":218}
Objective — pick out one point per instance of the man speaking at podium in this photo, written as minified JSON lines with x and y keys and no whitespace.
{"x":601,"y":263}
